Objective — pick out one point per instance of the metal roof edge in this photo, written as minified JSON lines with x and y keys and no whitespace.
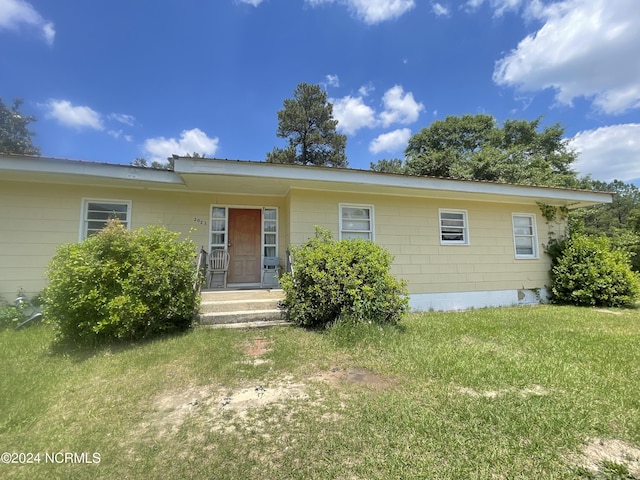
{"x":27,"y":163}
{"x":189,"y":165}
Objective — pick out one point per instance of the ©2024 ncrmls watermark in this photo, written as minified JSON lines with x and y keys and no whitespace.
{"x":56,"y":458}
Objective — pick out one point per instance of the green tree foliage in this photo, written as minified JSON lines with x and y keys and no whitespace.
{"x":121,"y":284}
{"x":307,"y":121}
{"x":143,"y":162}
{"x":15,"y":136}
{"x":619,"y":220}
{"x":623,"y":213}
{"x":395,"y":165}
{"x":475,"y":147}
{"x":342,"y":280}
{"x":590,"y":271}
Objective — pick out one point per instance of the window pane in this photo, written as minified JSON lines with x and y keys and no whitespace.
{"x":217,"y":225}
{"x":270,"y":239}
{"x":269,"y":214}
{"x":524,"y":250}
{"x":356,"y":235}
{"x":453,"y":227}
{"x":107,"y":207}
{"x":522,"y":221}
{"x":217,"y":239}
{"x":356,"y":213}
{"x":100,"y":215}
{"x":218,"y":212}
{"x":523,"y":231}
{"x":524,"y":236}
{"x":269,"y":251}
{"x":269,"y":226}
{"x":452,"y":223}
{"x":356,"y":225}
{"x":452,"y":215}
{"x":453,"y":237}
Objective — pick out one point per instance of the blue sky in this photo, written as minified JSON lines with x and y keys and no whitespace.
{"x":113,"y":81}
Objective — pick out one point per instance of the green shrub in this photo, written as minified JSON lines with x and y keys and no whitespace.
{"x":346,"y":279}
{"x":9,"y":315}
{"x":589,"y":271}
{"x":121,"y":284}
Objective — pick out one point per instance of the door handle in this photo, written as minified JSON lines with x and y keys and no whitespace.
{"x":229,"y":243}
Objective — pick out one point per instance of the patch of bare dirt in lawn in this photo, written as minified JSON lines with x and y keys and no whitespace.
{"x":337,"y":377}
{"x":610,"y":312}
{"x":170,"y":409}
{"x":255,"y":349}
{"x":534,"y":391}
{"x":228,"y":410}
{"x":598,"y":451}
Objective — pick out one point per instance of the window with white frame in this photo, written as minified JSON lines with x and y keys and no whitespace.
{"x":270,"y":230}
{"x":454,"y":227}
{"x":525,"y":237}
{"x":218,"y":231}
{"x":96,"y":214}
{"x":356,"y":221}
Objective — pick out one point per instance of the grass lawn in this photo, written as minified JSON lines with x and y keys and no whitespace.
{"x":540,"y":393}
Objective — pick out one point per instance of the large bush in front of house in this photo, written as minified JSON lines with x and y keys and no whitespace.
{"x":590,"y":271}
{"x":342,"y":280}
{"x":121,"y":284}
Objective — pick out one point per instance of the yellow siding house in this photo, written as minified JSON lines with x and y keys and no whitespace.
{"x":458,"y":243}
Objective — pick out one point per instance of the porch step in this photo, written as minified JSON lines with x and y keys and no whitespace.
{"x":241,"y":307}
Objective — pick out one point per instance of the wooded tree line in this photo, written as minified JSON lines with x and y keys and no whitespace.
{"x":466,"y":147}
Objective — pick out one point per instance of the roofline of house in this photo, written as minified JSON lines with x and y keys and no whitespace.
{"x":245,"y":168}
{"x":29,"y":163}
{"x":189,"y":165}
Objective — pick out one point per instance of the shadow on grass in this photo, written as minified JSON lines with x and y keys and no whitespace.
{"x":80,"y":352}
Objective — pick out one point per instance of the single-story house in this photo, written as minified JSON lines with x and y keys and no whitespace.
{"x":458,"y":243}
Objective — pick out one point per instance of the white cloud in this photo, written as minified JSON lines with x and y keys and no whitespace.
{"x":123,"y":118}
{"x":195,"y":140}
{"x":399,"y":107}
{"x":17,"y":13}
{"x":333,"y":80}
{"x":440,"y":10}
{"x":365,"y":90}
{"x":394,"y":141}
{"x":73,"y":116}
{"x":585,"y":48}
{"x":609,"y":152}
{"x":352,"y":114}
{"x":499,"y":6}
{"x":255,"y":3}
{"x":372,"y":11}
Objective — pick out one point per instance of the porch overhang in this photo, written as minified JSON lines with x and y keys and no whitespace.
{"x":271,"y":179}
{"x":261,"y":178}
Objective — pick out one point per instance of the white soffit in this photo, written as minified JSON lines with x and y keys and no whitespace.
{"x":277,"y":179}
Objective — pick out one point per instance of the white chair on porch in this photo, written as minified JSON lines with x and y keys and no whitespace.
{"x":270,"y":270}
{"x":218,"y":263}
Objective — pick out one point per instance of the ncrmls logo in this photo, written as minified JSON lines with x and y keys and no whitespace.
{"x":72,"y":457}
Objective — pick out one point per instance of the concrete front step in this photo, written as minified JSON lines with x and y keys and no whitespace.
{"x":237,"y":307}
{"x":227,"y":295}
{"x":242,"y":316}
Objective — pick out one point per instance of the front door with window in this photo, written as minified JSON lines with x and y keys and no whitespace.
{"x":245,"y":230}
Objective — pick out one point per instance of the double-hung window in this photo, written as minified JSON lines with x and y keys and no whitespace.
{"x":454,"y":227}
{"x":96,"y":214}
{"x":525,"y":237}
{"x":356,"y":221}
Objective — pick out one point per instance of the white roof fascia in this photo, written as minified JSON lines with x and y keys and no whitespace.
{"x":20,"y":163}
{"x":341,"y":175}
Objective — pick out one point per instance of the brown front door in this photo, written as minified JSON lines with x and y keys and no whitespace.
{"x":244,"y":245}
